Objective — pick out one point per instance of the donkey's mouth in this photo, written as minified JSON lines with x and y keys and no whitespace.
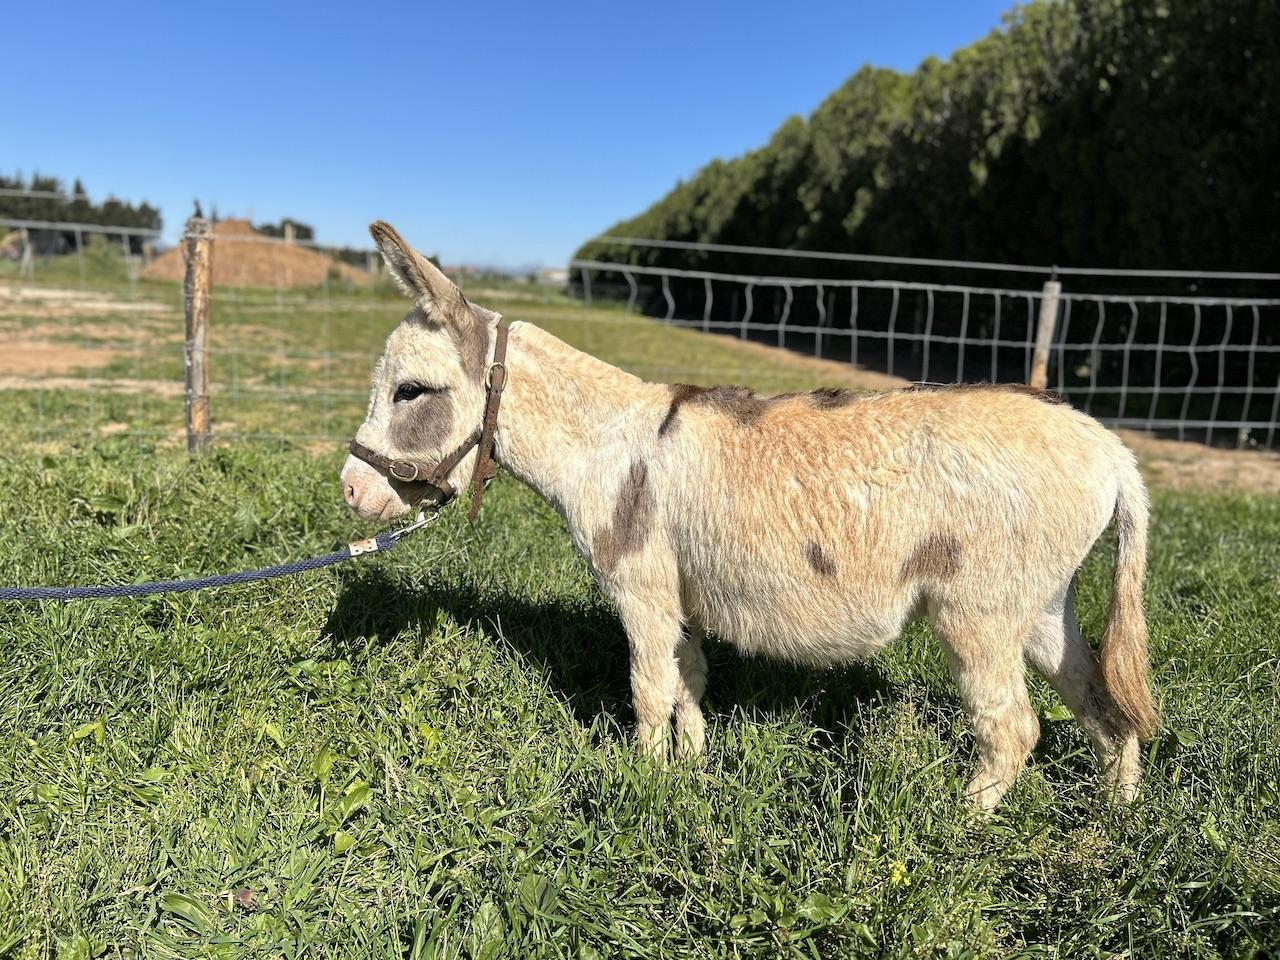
{"x":388,"y":509}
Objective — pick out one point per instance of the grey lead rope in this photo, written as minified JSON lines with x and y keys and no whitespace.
{"x":381,"y":543}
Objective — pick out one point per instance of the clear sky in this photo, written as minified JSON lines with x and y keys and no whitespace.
{"x":497,"y":133}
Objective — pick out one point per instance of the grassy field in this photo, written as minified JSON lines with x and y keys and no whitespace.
{"x":426,"y":754}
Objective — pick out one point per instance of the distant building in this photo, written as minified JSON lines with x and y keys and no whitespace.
{"x":551,"y":276}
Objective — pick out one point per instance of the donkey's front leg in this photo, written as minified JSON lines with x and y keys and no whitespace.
{"x":652,"y":620}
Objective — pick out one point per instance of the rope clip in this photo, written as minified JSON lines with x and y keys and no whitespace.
{"x":385,"y":541}
{"x":424,"y":519}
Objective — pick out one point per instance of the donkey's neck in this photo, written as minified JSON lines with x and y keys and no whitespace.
{"x":563,"y":412}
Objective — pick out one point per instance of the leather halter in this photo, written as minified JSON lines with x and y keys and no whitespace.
{"x":437,"y":474}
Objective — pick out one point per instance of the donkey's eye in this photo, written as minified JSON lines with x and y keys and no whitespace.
{"x":409,"y":391}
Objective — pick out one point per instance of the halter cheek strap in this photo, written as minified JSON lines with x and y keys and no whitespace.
{"x":436,"y":475}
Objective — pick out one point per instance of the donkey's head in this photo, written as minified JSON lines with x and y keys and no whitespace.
{"x":428,"y":389}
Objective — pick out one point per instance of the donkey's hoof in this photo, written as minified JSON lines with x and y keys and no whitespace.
{"x":655,"y":745}
{"x":1123,"y":793}
{"x":984,"y":793}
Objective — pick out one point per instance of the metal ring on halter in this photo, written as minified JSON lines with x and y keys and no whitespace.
{"x":412,"y":478}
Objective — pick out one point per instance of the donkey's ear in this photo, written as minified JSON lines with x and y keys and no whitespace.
{"x":416,"y":275}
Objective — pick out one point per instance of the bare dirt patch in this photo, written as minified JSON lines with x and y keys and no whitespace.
{"x":160,"y":388}
{"x":37,"y":359}
{"x":24,"y":300}
{"x":1182,"y":466}
{"x":94,"y":333}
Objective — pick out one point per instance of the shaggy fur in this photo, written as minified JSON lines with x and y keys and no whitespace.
{"x":811,"y":527}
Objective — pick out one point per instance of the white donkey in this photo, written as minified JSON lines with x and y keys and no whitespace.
{"x":809,"y":526}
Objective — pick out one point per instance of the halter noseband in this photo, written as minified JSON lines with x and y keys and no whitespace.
{"x":437,"y":475}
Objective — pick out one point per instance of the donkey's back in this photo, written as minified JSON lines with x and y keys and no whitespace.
{"x":814,"y":525}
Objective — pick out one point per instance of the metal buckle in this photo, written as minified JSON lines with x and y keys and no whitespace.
{"x":496,"y":365}
{"x":412,"y":478}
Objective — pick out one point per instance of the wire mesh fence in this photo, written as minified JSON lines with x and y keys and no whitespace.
{"x":96,"y":347}
{"x":45,"y":246}
{"x":1201,"y":367}
{"x":74,"y":323}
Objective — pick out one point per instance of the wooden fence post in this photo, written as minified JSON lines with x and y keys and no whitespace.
{"x":1044,"y":334}
{"x":198,"y":242}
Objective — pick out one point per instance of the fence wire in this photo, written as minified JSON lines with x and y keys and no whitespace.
{"x":1197,"y":367}
{"x":75,"y":329}
{"x":295,"y":333}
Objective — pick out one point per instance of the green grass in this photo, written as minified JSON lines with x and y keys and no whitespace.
{"x":426,"y":753}
{"x":101,"y":263}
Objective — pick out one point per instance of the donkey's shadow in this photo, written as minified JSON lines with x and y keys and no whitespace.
{"x":580,"y":646}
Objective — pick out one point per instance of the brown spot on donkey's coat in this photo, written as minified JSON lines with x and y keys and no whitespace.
{"x":822,"y":562}
{"x":632,"y":519}
{"x":423,"y":423}
{"x":741,"y":404}
{"x":830,"y":398}
{"x":936,"y":557}
{"x":681,"y":393}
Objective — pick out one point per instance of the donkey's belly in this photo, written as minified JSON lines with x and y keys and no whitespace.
{"x":791,"y":619}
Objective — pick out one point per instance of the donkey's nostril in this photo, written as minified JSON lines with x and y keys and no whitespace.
{"x":349,"y":493}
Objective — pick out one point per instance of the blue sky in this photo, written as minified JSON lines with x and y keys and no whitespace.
{"x":489,"y":133}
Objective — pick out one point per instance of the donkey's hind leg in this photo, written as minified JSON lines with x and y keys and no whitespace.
{"x":1058,"y":651}
{"x":986,"y":661}
{"x":691,"y":685}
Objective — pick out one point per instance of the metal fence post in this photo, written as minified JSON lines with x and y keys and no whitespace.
{"x":1044,"y":334}
{"x":198,"y":241}
{"x":26,"y":267}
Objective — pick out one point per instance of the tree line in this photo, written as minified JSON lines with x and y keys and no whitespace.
{"x":48,"y":200}
{"x":1094,"y":133}
{"x":51,"y":201}
{"x":1130,"y":133}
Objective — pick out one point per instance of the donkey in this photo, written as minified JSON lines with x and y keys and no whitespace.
{"x":812,"y":526}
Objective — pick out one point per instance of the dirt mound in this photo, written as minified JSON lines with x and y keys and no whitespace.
{"x":242,"y":257}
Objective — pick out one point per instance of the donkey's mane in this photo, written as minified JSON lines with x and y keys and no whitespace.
{"x":568,"y":359}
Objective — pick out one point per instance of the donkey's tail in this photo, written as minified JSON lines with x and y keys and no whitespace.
{"x":1126,"y":667}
